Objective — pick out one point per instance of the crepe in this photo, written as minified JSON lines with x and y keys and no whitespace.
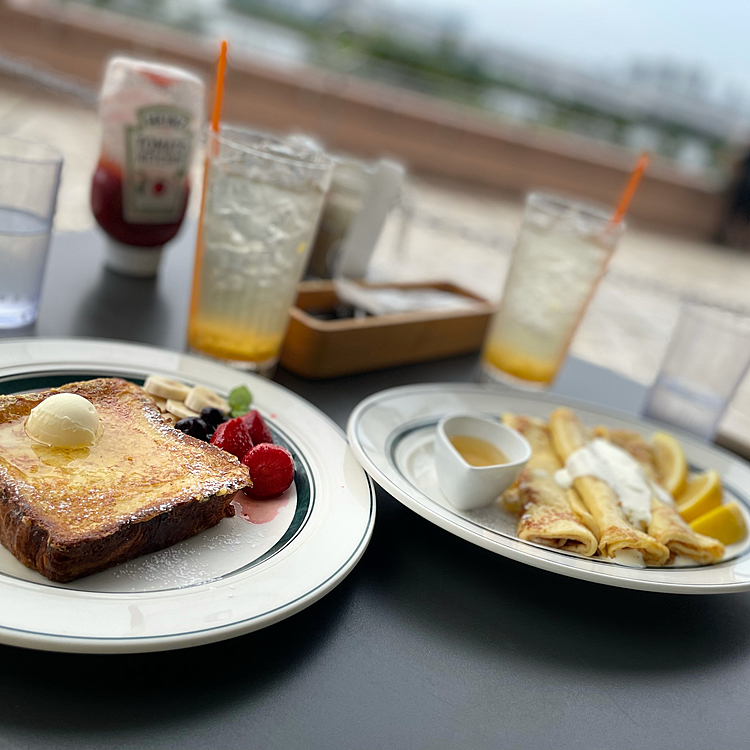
{"x":582,"y":512}
{"x":543,"y":457}
{"x":547,"y":516}
{"x":667,"y":525}
{"x":616,"y":534}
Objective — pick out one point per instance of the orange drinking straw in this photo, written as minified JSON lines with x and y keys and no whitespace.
{"x":221,"y":67}
{"x":622,"y":207}
{"x":630,"y":188}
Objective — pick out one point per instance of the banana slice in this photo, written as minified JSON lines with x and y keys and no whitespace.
{"x":179,"y":410}
{"x":202,"y":398}
{"x":167,"y":417}
{"x":161,"y":403}
{"x":166,"y":388}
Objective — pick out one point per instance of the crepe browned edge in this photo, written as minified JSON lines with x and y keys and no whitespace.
{"x":223,"y":472}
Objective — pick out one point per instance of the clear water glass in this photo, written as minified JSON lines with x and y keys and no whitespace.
{"x":262,"y":204}
{"x":707,"y":357}
{"x":29,"y":178}
{"x":560,"y":255}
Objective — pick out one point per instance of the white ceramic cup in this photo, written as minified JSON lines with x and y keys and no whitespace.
{"x":468,"y":487}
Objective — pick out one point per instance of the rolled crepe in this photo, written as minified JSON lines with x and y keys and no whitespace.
{"x":547,"y":517}
{"x":542,"y":457}
{"x":549,"y":520}
{"x":581,"y":511}
{"x":616,"y":534}
{"x":667,"y":525}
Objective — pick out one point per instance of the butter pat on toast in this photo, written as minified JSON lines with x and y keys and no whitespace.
{"x":141,"y":487}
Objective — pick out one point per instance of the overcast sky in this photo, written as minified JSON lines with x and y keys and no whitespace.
{"x":714,"y":34}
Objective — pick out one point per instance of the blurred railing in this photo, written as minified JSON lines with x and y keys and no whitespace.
{"x":363,"y":117}
{"x":27,"y":71}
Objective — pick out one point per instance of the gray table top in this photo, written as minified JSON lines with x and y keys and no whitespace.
{"x":430,"y":642}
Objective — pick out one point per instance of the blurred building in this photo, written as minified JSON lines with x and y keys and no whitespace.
{"x":659,"y":106}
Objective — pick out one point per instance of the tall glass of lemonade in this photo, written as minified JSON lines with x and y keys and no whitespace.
{"x":561,"y":253}
{"x":263,"y":199}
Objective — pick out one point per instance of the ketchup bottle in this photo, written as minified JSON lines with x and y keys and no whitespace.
{"x":151,"y":115}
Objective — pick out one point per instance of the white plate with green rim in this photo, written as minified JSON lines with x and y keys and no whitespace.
{"x":392,"y":435}
{"x":232,"y":579}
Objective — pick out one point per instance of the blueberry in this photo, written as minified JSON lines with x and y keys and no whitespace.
{"x":212,"y":417}
{"x":194,"y":426}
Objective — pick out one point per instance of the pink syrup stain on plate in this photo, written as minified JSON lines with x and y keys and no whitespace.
{"x":259,"y":511}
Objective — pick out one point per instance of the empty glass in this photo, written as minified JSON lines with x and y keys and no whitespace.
{"x":29,"y":178}
{"x":708,"y":355}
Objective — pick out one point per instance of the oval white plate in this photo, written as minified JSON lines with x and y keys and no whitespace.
{"x":230,"y":580}
{"x":391,"y":433}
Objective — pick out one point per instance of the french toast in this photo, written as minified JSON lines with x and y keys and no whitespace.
{"x":143,"y":486}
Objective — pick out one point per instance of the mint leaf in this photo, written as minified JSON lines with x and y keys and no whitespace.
{"x":240,"y":399}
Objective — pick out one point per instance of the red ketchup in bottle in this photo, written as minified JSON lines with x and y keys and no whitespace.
{"x":106,"y":203}
{"x":150,"y":116}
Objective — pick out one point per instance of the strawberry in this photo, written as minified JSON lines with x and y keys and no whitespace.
{"x":233,"y":437}
{"x":259,"y":432}
{"x":271,"y":469}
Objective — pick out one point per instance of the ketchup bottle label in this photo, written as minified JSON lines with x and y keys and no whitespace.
{"x":157,"y":159}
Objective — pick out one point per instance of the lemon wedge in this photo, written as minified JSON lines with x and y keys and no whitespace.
{"x":724,"y":523}
{"x":670,"y":462}
{"x":701,"y":495}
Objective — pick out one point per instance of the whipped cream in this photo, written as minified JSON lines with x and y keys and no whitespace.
{"x":631,"y":558}
{"x":621,"y":472}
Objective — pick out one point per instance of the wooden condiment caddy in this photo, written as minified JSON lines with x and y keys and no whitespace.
{"x":316,"y":348}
